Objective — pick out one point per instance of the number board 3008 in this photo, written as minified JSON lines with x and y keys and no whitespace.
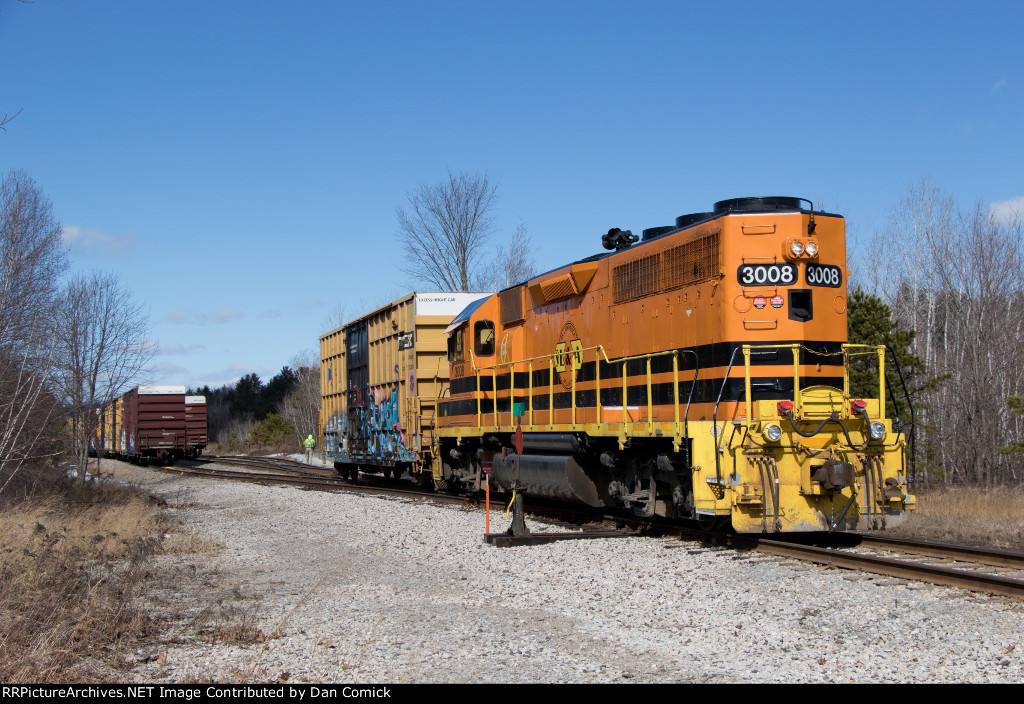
{"x":824,"y":275}
{"x":767,"y":274}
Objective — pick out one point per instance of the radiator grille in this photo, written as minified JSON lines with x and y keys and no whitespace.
{"x":636,"y":279}
{"x":511,"y":303}
{"x":684,"y":265}
{"x":690,"y":263}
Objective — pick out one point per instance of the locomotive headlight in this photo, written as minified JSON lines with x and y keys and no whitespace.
{"x":876,"y":430}
{"x":772,"y":432}
{"x":812,"y":249}
{"x":796,"y":247}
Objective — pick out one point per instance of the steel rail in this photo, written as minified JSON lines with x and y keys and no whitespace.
{"x":965,"y":553}
{"x":332,"y":483}
{"x":273,"y":478}
{"x":933,"y":574}
{"x":275,"y":462}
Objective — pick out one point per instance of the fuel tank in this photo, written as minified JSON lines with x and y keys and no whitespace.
{"x":554,"y":476}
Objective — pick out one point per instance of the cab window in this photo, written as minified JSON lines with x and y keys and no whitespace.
{"x":483,"y":335}
{"x":455,"y":346}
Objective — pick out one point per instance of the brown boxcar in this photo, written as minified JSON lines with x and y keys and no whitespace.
{"x":195,"y":425}
{"x":153,"y":423}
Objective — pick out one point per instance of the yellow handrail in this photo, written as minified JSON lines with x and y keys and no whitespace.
{"x":847,"y":351}
{"x":866,"y":350}
{"x":599,"y":352}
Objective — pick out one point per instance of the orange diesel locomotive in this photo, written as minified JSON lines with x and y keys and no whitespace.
{"x":702,"y":372}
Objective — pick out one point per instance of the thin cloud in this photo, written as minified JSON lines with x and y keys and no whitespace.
{"x":195,"y":317}
{"x":144,"y":346}
{"x":271,"y":314}
{"x":163,"y":370}
{"x":1000,"y":84}
{"x":86,"y":242}
{"x":1008,"y":212}
{"x":178,"y":350}
{"x":179,"y":316}
{"x":224,"y":315}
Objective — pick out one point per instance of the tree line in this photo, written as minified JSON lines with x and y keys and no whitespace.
{"x":950,"y":283}
{"x":68,"y":344}
{"x":277,"y":415}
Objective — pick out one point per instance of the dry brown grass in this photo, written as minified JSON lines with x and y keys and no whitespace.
{"x":230,"y":624}
{"x":992,"y":517}
{"x":79,"y":590}
{"x":70,"y":567}
{"x":184,"y":541}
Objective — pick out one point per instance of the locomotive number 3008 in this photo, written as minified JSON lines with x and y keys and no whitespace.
{"x":759,"y":274}
{"x":824,"y":275}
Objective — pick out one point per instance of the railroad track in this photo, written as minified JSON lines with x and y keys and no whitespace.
{"x":964,"y":567}
{"x":268,"y":476}
{"x":916,"y":560}
{"x":273,"y":464}
{"x":287,"y":472}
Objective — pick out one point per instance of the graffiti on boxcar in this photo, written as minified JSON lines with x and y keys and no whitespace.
{"x":374,"y":430}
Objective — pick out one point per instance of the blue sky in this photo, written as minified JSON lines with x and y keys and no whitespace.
{"x":239,"y":163}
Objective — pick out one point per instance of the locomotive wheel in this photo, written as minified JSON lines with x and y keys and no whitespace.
{"x":709,"y":523}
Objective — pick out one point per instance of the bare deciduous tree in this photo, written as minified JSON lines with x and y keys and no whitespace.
{"x":445,"y":229}
{"x":7,"y":118}
{"x":102,"y":347}
{"x":512,"y":264}
{"x":302,"y":405}
{"x":31,"y":260}
{"x":335,"y":317}
{"x":957,"y":279}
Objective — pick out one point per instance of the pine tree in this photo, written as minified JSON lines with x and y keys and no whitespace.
{"x":246,"y":399}
{"x":870,"y":323}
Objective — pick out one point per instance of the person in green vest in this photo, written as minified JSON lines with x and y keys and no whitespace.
{"x":310,"y":443}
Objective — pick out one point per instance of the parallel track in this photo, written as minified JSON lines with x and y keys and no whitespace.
{"x":962,"y":553}
{"x":273,"y":470}
{"x":267,"y":470}
{"x":905,"y":567}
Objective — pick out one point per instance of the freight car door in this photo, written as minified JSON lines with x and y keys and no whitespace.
{"x":357,"y":344}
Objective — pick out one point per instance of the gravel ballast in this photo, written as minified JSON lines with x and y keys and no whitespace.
{"x":344,"y":587}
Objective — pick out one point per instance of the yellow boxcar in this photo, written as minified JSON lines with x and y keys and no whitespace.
{"x":380,"y":377}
